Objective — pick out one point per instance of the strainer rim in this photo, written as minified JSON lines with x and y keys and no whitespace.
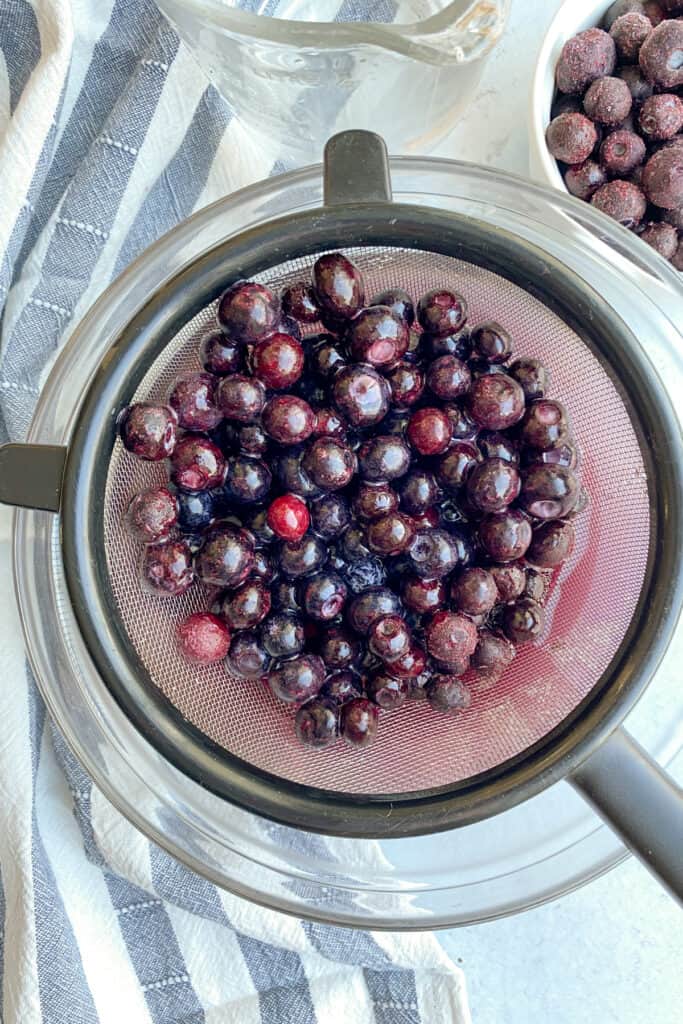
{"x":315,"y":809}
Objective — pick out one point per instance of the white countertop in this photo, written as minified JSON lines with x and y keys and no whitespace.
{"x":610,"y":952}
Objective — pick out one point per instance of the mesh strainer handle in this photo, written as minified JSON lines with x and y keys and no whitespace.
{"x":31,"y":475}
{"x":640,"y":802}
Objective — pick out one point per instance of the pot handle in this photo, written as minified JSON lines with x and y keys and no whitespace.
{"x":640,"y":802}
{"x":31,"y":475}
{"x":356,"y":169}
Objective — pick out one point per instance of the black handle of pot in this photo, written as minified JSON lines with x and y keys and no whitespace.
{"x":31,"y":475}
{"x":356,"y":169}
{"x":640,"y":802}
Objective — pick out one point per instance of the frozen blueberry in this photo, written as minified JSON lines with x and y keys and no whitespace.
{"x":618,"y":9}
{"x":635,"y":79}
{"x":434,"y":345}
{"x":330,"y":516}
{"x":303,"y":557}
{"x":282,"y":634}
{"x":411,"y":664}
{"x":359,"y":722}
{"x":441,"y":311}
{"x":241,"y":398}
{"x":419,"y":490}
{"x":620,"y":154}
{"x":660,"y":55}
{"x":662,"y":237}
{"x":325,"y":357}
{"x":221,"y":355}
{"x":589,"y":55}
{"x":545,"y":424}
{"x":328,"y":423}
{"x":245,"y":607}
{"x":167,"y":568}
{"x":288,"y":420}
{"x":398,"y":301}
{"x":548,"y":492}
{"x":448,"y":694}
{"x":383,"y":457}
{"x":226,"y":557}
{"x":433,"y":553}
{"x":197,"y":464}
{"x":551,"y":545}
{"x":369,"y":606}
{"x":317,"y":723}
{"x":496,"y":445}
{"x":339,"y":649}
{"x":148,"y":430}
{"x":324,"y":596}
{"x":407,"y":383}
{"x":423,"y":596}
{"x":391,"y":534}
{"x":196,"y":510}
{"x":496,"y":402}
{"x":474,"y":591}
{"x":338,"y":285}
{"x":450,"y":637}
{"x":285,"y":595}
{"x":661,"y":116}
{"x":389,"y":638}
{"x":492,"y":655}
{"x":193,"y":397}
{"x":372,"y":501}
{"x":455,"y":466}
{"x":248,"y":311}
{"x":523,"y":621}
{"x":298,"y":679}
{"x":361,"y":395}
{"x":299,"y":301}
{"x":152,"y":514}
{"x":330,"y":463}
{"x":247,"y":480}
{"x":607,"y":101}
{"x":429,"y":431}
{"x":378,"y":336}
{"x":386,"y":691}
{"x":292,"y":476}
{"x":247,"y":658}
{"x":510,"y":581}
{"x":493,"y":485}
{"x":505,"y":535}
{"x":363,"y":573}
{"x":629,"y":32}
{"x":582,"y":180}
{"x":278,"y":361}
{"x":492,"y":342}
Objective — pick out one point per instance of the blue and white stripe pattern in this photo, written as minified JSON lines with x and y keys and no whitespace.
{"x":109,"y":135}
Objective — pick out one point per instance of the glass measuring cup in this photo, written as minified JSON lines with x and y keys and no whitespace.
{"x":296,"y":71}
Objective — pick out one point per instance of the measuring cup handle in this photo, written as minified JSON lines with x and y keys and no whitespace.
{"x":356,"y":169}
{"x":640,"y":802}
{"x":31,"y":475}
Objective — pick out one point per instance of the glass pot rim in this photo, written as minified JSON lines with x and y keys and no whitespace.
{"x":471,"y":180}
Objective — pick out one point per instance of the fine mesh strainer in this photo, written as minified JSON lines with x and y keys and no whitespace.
{"x":614,"y":605}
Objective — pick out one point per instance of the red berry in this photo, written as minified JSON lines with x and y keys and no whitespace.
{"x":203,"y":638}
{"x":288,"y":517}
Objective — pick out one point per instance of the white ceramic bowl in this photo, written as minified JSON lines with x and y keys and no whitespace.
{"x":573,"y":16}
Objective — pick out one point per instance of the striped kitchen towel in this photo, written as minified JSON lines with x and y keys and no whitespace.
{"x":109,"y":134}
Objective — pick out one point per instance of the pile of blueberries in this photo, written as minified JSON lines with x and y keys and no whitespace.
{"x":379,"y":505}
{"x":617,"y":123}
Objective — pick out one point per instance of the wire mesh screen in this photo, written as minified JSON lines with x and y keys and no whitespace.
{"x":417,"y":748}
